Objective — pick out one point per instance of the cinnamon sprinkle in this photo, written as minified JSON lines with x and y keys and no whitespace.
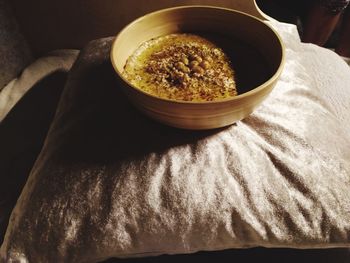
{"x":183,"y":67}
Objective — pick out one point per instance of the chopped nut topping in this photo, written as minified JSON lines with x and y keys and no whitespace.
{"x":198,"y":69}
{"x":205,"y":64}
{"x":193,"y":64}
{"x":182,"y":67}
{"x":185,"y":60}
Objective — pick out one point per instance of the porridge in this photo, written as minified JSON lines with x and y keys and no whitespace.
{"x":184,"y":67}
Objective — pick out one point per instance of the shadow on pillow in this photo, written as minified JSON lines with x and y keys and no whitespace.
{"x":22,"y":135}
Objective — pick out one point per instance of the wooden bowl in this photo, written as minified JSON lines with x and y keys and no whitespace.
{"x":255,"y":49}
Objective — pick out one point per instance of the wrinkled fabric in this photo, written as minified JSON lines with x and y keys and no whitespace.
{"x":27,"y":108}
{"x":59,"y":60}
{"x":110,"y":182}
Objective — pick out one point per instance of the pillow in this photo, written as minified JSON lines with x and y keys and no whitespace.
{"x":14,"y":51}
{"x":58,"y":60}
{"x":35,"y":94}
{"x":110,"y":182}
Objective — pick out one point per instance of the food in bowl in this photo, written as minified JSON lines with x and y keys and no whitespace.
{"x":255,"y":49}
{"x":182,"y":66}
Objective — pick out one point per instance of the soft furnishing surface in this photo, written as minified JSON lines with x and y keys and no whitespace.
{"x":27,"y":107}
{"x":111,"y":183}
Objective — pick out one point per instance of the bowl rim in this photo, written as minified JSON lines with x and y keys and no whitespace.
{"x":251,"y":92}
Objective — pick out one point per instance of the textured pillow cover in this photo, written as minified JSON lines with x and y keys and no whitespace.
{"x":111,"y":183}
{"x":27,"y":108}
{"x":58,"y":60}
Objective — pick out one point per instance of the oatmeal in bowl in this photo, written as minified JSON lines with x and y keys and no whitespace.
{"x":197,"y":67}
{"x":183,"y":66}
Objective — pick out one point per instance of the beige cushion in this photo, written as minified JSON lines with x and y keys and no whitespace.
{"x":42,"y":67}
{"x":27,"y":107}
{"x":109,"y":182}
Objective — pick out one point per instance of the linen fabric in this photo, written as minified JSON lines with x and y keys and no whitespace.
{"x":27,"y":108}
{"x":110,"y":182}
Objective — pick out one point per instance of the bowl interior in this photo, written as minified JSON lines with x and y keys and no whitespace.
{"x":254,"y":48}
